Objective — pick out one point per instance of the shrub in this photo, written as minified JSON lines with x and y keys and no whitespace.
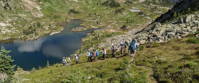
{"x":73,"y":11}
{"x":111,"y":3}
{"x":39,"y":67}
{"x":128,"y":2}
{"x":101,"y":74}
{"x":156,"y":44}
{"x":141,"y":47}
{"x":161,"y":62}
{"x":51,"y":71}
{"x":38,"y":24}
{"x":33,"y":70}
{"x":193,"y":40}
{"x":119,"y":10}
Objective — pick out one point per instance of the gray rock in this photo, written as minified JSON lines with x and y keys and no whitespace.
{"x":171,"y":33}
{"x":188,"y":18}
{"x":184,"y":29}
{"x":182,"y":25}
{"x":165,"y":39}
{"x":169,"y":30}
{"x":169,"y":26}
{"x":142,"y":42}
{"x":181,"y":20}
{"x":195,"y":22}
{"x":185,"y":34}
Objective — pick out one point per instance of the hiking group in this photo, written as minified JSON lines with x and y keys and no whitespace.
{"x":132,"y":46}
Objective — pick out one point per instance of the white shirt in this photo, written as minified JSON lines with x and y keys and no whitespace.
{"x":76,"y":58}
{"x":137,"y":43}
{"x":88,"y":54}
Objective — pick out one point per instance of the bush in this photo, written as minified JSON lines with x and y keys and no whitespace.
{"x":33,"y":70}
{"x":193,"y":40}
{"x":119,"y":10}
{"x":51,"y":71}
{"x":111,"y":3}
{"x":156,"y":44}
{"x":73,"y":11}
{"x":141,"y":47}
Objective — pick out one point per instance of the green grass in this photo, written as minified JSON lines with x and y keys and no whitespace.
{"x":110,"y":70}
{"x":175,"y":61}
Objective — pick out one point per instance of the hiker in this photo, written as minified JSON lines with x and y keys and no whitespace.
{"x":90,"y":55}
{"x":137,"y":45}
{"x":122,"y":48}
{"x":96,"y":54}
{"x":68,"y":61}
{"x":129,"y":45}
{"x":76,"y":58}
{"x":132,"y":48}
{"x":113,"y":50}
{"x":104,"y":53}
{"x":64,"y":61}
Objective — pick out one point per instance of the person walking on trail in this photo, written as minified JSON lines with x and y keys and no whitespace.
{"x":113,"y":50}
{"x":76,"y":58}
{"x":68,"y":60}
{"x":104,"y":53}
{"x":129,"y":45}
{"x":90,"y":55}
{"x":132,"y":48}
{"x":64,"y":61}
{"x":137,"y":45}
{"x":122,"y":48}
{"x":96,"y":54}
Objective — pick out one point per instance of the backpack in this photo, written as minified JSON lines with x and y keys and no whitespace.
{"x":91,"y":53}
{"x":67,"y":59}
{"x":97,"y":53}
{"x":132,"y":46}
{"x":106,"y":51}
{"x":122,"y":45}
{"x":115,"y":48}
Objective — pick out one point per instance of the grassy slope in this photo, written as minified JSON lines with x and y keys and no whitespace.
{"x":110,"y":70}
{"x":174,"y":61}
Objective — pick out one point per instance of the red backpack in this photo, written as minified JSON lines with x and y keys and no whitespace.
{"x":106,"y":51}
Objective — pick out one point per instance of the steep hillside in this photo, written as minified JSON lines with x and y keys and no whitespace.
{"x":182,"y":7}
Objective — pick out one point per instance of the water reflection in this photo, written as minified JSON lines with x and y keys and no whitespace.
{"x":30,"y":46}
{"x":29,"y":54}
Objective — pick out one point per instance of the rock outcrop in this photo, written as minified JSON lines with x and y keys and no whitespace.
{"x":163,"y":33}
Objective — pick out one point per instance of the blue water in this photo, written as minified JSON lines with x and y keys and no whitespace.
{"x":53,"y":48}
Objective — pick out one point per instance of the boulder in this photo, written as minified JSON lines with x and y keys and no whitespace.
{"x":142,"y":42}
{"x":171,"y":33}
{"x":181,"y":20}
{"x":180,"y":32}
{"x":195,"y":22}
{"x":184,"y":29}
{"x":169,"y":26}
{"x":188,"y":18}
{"x":165,"y":39}
{"x":169,"y":30}
{"x":155,"y":34}
{"x":182,"y":25}
{"x":185,"y":34}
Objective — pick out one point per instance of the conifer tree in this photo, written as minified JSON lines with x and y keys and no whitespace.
{"x":6,"y":68}
{"x":48,"y":64}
